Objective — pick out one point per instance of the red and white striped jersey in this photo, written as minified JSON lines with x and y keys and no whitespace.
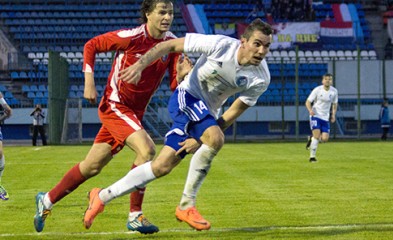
{"x":130,"y":45}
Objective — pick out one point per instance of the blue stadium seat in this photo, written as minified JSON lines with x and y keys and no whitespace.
{"x":2,"y":88}
{"x":42,"y":88}
{"x":39,"y":94}
{"x":74,"y":88}
{"x":31,"y":95}
{"x":25,"y":88}
{"x":14,"y":75}
{"x":34,"y":88}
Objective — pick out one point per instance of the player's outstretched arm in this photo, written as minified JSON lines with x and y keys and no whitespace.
{"x":133,"y":73}
{"x":233,"y":112}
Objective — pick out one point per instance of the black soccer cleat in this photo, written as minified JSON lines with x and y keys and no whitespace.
{"x":313,"y":160}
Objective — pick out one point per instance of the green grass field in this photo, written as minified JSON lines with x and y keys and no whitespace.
{"x":253,"y":191}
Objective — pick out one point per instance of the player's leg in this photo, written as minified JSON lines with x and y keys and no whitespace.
{"x":324,"y":137}
{"x":213,"y":140}
{"x":3,"y":193}
{"x":134,"y":179}
{"x":316,"y":134}
{"x":42,"y":134}
{"x":98,"y":156}
{"x":385,"y":131}
{"x":35,"y":135}
{"x":143,"y":146}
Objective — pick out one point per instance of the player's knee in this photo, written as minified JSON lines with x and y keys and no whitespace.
{"x":324,"y":140}
{"x":161,"y":168}
{"x":145,"y":155}
{"x":215,"y":139}
{"x":91,"y":170}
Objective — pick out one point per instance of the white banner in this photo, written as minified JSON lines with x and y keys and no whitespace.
{"x":285,"y":34}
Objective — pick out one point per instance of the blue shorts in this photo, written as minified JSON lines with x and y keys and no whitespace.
{"x":1,"y":135}
{"x":317,"y":123}
{"x":190,"y":116}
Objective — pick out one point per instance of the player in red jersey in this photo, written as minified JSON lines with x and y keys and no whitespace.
{"x":122,"y":107}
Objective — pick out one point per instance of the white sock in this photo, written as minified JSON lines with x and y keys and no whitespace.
{"x":136,"y":178}
{"x":2,"y":166}
{"x":133,"y":215}
{"x":199,"y":167}
{"x":47,"y":203}
{"x":313,"y":147}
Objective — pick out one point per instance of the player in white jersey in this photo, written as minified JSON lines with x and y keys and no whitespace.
{"x":226,"y":66}
{"x":320,"y":102}
{"x":6,"y":113}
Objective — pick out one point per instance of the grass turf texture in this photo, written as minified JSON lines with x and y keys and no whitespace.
{"x":253,"y":191}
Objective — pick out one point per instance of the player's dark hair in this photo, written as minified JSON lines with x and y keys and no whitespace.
{"x":327,"y":75}
{"x":257,"y":25}
{"x":148,"y":6}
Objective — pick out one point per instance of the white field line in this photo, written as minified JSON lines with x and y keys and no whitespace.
{"x":251,"y":229}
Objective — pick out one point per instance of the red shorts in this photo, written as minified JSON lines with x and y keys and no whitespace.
{"x":118,"y":122}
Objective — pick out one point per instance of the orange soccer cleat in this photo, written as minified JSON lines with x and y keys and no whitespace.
{"x":193,"y":218}
{"x":95,"y":207}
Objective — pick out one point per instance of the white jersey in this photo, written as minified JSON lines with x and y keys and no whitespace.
{"x":217,"y":74}
{"x":323,"y":100}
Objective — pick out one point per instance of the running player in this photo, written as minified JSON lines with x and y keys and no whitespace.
{"x":7,"y":111}
{"x":227,"y":66}
{"x":122,"y":107}
{"x":323,"y":98}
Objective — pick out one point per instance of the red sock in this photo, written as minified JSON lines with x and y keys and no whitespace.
{"x":71,"y":180}
{"x":136,"y":198}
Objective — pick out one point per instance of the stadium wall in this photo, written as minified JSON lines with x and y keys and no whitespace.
{"x":264,"y":121}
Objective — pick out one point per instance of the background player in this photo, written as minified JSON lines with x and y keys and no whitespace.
{"x":6,"y":113}
{"x":122,"y":107}
{"x":323,"y":98}
{"x":227,"y":66}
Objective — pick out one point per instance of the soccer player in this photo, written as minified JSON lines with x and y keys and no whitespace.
{"x":226,"y":66}
{"x":122,"y":107}
{"x":319,"y":102}
{"x":7,"y":111}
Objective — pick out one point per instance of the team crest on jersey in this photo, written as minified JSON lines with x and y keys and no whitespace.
{"x":241,"y":81}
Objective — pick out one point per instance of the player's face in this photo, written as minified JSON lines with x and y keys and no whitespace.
{"x":255,"y":49}
{"x":327,"y":81}
{"x":160,"y":19}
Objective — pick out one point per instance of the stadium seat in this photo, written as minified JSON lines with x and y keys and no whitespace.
{"x":31,"y":95}
{"x":23,"y":75}
{"x":42,"y":88}
{"x":340,"y":55}
{"x":33,"y":88}
{"x":14,"y":75}
{"x":372,"y":54}
{"x":25,"y":88}
{"x":39,"y":94}
{"x":74,"y":88}
{"x":332,"y":54}
{"x":364,"y":54}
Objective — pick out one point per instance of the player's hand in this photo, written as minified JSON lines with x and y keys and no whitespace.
{"x":333,"y":119}
{"x":190,"y":145}
{"x":183,"y":67}
{"x":132,"y":74}
{"x":90,"y":92}
{"x":312,"y":113}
